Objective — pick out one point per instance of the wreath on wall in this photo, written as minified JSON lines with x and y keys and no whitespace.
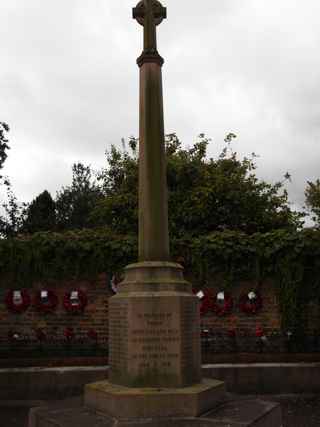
{"x":222,"y":304}
{"x":45,"y":301}
{"x":205,"y":298}
{"x":250,"y":303}
{"x":75,"y":301}
{"x":17,"y":301}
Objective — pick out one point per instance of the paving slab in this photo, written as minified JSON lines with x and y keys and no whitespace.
{"x":235,"y":413}
{"x":251,"y":412}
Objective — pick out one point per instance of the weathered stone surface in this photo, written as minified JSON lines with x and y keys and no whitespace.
{"x":153,"y":204}
{"x":242,"y":413}
{"x":251,"y":412}
{"x":67,"y":417}
{"x":52,"y":383}
{"x":154,"y":330}
{"x":124,"y":402}
{"x":154,"y":276}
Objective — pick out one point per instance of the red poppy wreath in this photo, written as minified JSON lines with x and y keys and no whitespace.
{"x":222,"y":304}
{"x":205,"y":298}
{"x":17,"y":301}
{"x":250,"y":303}
{"x":75,"y":301}
{"x":45,"y":301}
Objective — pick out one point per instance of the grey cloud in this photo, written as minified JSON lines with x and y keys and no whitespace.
{"x":69,"y":83}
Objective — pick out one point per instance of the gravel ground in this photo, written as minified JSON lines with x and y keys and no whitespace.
{"x":298,"y":411}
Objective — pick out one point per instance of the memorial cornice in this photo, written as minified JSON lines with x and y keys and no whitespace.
{"x":150,"y":56}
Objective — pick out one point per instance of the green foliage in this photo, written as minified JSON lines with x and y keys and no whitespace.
{"x":205,"y":195}
{"x":4,"y":128}
{"x":13,"y":211}
{"x":210,"y":195}
{"x":50,"y":255}
{"x":119,"y":183}
{"x":291,"y":259}
{"x":71,"y":209}
{"x":40,"y":215}
{"x":74,"y":203}
{"x":11,"y":223}
{"x":312,"y":194}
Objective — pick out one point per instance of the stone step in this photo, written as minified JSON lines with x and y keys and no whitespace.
{"x":234,"y":413}
{"x":124,"y":402}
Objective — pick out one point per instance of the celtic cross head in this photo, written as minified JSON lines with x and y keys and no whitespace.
{"x":149,"y":14}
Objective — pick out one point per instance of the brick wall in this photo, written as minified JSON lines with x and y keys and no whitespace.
{"x":95,"y":315}
{"x":269,"y":318}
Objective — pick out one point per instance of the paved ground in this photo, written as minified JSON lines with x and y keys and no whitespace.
{"x":298,"y":411}
{"x":14,"y":416}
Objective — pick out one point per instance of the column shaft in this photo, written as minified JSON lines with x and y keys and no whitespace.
{"x":153,"y":203}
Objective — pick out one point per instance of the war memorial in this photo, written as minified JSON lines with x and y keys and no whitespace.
{"x":155,"y":376}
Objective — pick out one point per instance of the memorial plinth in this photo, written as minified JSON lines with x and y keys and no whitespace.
{"x":154,"y":328}
{"x":128,"y":402}
{"x":155,"y":361}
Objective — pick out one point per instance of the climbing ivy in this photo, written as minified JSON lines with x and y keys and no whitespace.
{"x":291,"y":259}
{"x":71,"y":255}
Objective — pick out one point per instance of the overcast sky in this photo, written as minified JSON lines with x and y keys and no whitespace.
{"x":69,"y":83}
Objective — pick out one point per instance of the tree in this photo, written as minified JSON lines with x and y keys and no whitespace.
{"x":9,"y":223}
{"x":118,"y":209}
{"x":74,"y":203}
{"x":14,"y":213}
{"x":40,"y":214}
{"x":312,"y":194}
{"x":4,"y":128}
{"x":204,"y":195}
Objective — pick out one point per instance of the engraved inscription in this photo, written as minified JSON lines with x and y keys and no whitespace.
{"x":155,"y":340}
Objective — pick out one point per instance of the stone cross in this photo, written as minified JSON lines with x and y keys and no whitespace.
{"x":149,"y":13}
{"x":153,"y":203}
{"x":154,"y":336}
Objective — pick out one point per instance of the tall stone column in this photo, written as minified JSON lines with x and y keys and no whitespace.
{"x":154,"y":336}
{"x":153,"y":204}
{"x":154,"y":321}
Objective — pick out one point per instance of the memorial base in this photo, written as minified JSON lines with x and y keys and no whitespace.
{"x":124,"y":402}
{"x":154,"y":329}
{"x":239,"y":412}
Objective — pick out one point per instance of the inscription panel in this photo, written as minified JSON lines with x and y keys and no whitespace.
{"x":155,"y":338}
